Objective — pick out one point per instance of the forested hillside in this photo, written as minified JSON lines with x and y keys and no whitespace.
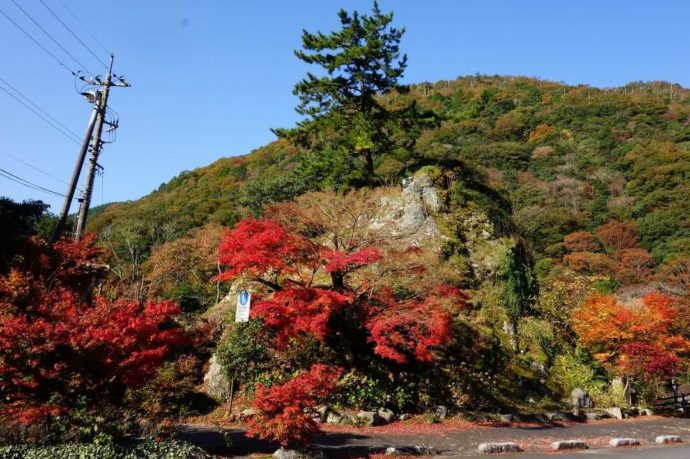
{"x":568,"y":158}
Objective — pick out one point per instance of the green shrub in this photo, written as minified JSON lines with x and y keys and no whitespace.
{"x":577,"y":370}
{"x":243,"y":352}
{"x":369,"y":392}
{"x":133,"y":450}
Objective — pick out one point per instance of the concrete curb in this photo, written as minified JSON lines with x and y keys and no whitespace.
{"x":619,"y":442}
{"x":667,"y":439}
{"x":568,"y":444}
{"x":497,"y":448}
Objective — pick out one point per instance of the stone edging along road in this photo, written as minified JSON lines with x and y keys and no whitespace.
{"x":451,"y":440}
{"x":562,"y":445}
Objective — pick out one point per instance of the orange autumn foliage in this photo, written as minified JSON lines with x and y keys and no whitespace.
{"x":605,"y":326}
{"x":617,"y":235}
{"x":580,"y":241}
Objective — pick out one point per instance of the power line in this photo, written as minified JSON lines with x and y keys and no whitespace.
{"x":38,"y":43}
{"x":84,"y":27}
{"x":73,"y":34}
{"x":50,"y":36}
{"x":38,"y":114}
{"x":18,"y":92}
{"x":15,"y":178}
{"x":47,"y":174}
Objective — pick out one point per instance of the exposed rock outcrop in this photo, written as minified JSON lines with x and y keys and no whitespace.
{"x":216,"y":382}
{"x":409,"y":216}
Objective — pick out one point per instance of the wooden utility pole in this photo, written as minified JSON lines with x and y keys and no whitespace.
{"x":93,"y":136}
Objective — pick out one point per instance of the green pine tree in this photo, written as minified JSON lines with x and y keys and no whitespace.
{"x":361,"y":62}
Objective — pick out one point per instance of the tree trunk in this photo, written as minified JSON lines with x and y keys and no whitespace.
{"x":338,"y":280}
{"x":369,"y":165}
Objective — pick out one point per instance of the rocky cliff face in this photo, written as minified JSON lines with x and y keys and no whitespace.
{"x":409,"y":216}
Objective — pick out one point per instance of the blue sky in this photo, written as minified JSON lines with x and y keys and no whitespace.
{"x":210,"y":78}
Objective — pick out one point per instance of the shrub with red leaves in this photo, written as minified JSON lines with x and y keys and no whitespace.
{"x":58,"y":346}
{"x":285,"y":411}
{"x":344,"y":262}
{"x":259,"y":247}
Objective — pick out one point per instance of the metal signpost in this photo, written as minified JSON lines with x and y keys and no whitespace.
{"x":244,"y":303}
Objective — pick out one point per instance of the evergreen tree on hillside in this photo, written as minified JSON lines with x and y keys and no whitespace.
{"x":347,"y":129}
{"x":17,"y":219}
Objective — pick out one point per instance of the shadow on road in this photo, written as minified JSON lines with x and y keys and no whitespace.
{"x":233,"y":442}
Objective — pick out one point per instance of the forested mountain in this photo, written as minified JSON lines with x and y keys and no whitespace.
{"x":567,"y":158}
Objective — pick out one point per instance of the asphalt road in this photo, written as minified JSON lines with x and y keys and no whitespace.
{"x":462,"y":441}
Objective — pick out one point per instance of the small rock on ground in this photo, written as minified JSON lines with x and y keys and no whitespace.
{"x":369,"y":418}
{"x":666,"y":439}
{"x":618,"y":442}
{"x":283,"y":453}
{"x":493,"y":448}
{"x":615,"y":412}
{"x":568,"y":444}
{"x":442,"y":411}
{"x":415,"y":450}
{"x":386,"y":415}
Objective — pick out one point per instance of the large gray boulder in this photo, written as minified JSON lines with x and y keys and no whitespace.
{"x":369,"y":418}
{"x":386,"y":415}
{"x":216,"y":382}
{"x":341,"y":418}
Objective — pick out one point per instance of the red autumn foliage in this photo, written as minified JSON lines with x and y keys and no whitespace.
{"x":292,"y":311}
{"x":56,"y":345}
{"x":590,"y":262}
{"x":646,"y":361}
{"x":344,"y":262}
{"x":409,"y":331}
{"x":580,"y":241}
{"x":617,"y":235}
{"x":634,"y":266}
{"x":676,"y":274}
{"x":353,"y":307}
{"x":258,"y":247}
{"x":285,"y":411}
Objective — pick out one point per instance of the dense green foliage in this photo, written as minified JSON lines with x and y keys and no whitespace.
{"x":17,"y":219}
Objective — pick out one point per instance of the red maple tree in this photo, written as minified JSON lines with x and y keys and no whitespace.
{"x":301,"y":303}
{"x":285,"y":412}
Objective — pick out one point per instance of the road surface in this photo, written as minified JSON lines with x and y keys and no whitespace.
{"x":461,"y":440}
